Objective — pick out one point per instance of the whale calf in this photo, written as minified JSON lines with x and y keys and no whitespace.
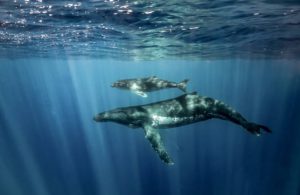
{"x":182,"y":110}
{"x":142,"y":85}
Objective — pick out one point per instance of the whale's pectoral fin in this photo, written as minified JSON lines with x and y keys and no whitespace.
{"x":156,"y":142}
{"x":140,"y":93}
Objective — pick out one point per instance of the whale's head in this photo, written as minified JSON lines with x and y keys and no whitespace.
{"x":128,"y":117}
{"x":121,"y":84}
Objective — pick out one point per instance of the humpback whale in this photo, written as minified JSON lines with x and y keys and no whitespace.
{"x":182,"y":110}
{"x":142,"y":85}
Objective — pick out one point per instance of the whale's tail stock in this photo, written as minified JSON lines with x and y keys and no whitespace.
{"x":256,"y":128}
{"x":182,"y":85}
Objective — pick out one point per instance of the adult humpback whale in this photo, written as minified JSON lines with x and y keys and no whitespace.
{"x":142,"y":85}
{"x":179,"y":111}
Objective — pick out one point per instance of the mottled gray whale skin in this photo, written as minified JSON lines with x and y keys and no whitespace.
{"x":183,"y":110}
{"x":142,"y":85}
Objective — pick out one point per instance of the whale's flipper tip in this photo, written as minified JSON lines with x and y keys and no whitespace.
{"x":256,"y":128}
{"x":265,"y":128}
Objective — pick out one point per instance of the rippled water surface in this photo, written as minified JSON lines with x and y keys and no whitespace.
{"x":150,"y":29}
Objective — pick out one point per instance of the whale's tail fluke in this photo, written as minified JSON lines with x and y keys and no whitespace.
{"x":182,"y":85}
{"x":256,"y":128}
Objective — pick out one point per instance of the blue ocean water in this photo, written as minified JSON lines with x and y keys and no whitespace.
{"x":50,"y":145}
{"x":58,"y":60}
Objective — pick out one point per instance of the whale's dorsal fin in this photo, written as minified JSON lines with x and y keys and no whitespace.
{"x":156,"y":142}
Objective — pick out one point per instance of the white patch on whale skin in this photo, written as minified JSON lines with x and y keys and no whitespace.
{"x":160,"y":120}
{"x":163,"y":120}
{"x":203,"y":104}
{"x":135,"y":87}
{"x":160,"y":84}
{"x":172,"y":107}
{"x":191,"y":105}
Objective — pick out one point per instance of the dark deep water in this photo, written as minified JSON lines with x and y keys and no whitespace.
{"x":50,"y":145}
{"x":59,"y":58}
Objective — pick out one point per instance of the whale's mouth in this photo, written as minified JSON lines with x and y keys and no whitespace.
{"x":115,"y":115}
{"x":96,"y":118}
{"x":100,"y":117}
{"x":119,"y":84}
